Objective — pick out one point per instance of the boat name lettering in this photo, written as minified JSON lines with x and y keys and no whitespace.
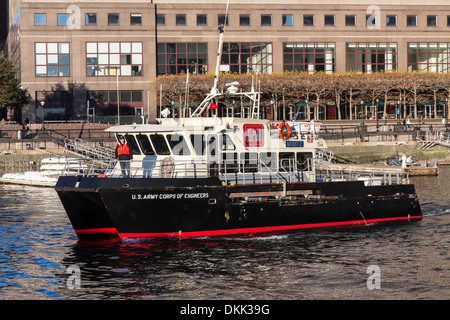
{"x":294,"y":144}
{"x":169,"y":196}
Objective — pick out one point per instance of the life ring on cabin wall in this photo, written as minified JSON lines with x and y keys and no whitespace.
{"x":284,"y":131}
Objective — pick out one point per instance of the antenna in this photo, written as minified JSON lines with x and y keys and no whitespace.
{"x":215,"y":88}
{"x":232,"y":90}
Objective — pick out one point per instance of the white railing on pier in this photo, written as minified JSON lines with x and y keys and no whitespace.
{"x":432,"y":138}
{"x":89,"y":150}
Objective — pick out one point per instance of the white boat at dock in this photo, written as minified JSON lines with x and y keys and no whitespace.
{"x":48,"y":172}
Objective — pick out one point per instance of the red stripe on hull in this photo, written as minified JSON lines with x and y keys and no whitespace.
{"x":83,"y":232}
{"x":225,"y":232}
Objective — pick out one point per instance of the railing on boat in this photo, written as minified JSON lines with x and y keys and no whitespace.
{"x":240,"y":172}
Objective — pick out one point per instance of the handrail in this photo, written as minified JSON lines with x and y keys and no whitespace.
{"x":384,"y":178}
{"x":240,"y":173}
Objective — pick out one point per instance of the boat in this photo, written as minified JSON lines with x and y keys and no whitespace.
{"x":47,"y":174}
{"x":241,"y":178}
{"x":416,"y":168}
{"x":221,"y":176}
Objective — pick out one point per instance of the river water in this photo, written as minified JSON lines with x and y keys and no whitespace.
{"x":42,"y":259}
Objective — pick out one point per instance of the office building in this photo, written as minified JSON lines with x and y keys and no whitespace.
{"x":78,"y":58}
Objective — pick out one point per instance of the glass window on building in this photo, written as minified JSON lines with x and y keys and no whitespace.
{"x":180,"y":20}
{"x":428,"y":56}
{"x":411,"y":21}
{"x":244,"y":20}
{"x":113,"y":19}
{"x":221,"y":21}
{"x":448,"y":21}
{"x":371,"y":57}
{"x":40,"y":19}
{"x":266,"y":19}
{"x":372,"y":21}
{"x":244,"y":57}
{"x":350,"y":20}
{"x":57,"y":105}
{"x":287,"y":20}
{"x":160,"y":19}
{"x":136,"y":19}
{"x":178,"y":57}
{"x":329,"y":20}
{"x":91,"y":19}
{"x":309,"y":57}
{"x":112,"y":58}
{"x":308,"y":20}
{"x":104,"y":103}
{"x":52,"y":59}
{"x":63,"y":19}
{"x":391,"y":21}
{"x":202,"y":20}
{"x":431,"y":21}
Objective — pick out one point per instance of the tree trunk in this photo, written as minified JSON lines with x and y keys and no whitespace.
{"x":317,"y":108}
{"x":385,"y":105}
{"x":351,"y":98}
{"x":415,"y":103}
{"x":404,"y":104}
{"x":307,"y":107}
{"x":435,"y":104}
{"x":338,"y":104}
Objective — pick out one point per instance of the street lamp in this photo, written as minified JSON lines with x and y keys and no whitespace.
{"x":363,"y":112}
{"x":42,"y":104}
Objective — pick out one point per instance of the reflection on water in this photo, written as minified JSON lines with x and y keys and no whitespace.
{"x":37,"y":245}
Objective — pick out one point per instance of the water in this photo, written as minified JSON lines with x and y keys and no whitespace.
{"x":38,"y":248}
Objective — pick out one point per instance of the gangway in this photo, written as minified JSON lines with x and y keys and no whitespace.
{"x":432,"y":138}
{"x":88,"y":150}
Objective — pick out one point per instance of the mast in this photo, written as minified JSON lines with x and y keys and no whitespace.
{"x":215,"y":88}
{"x":254,"y":96}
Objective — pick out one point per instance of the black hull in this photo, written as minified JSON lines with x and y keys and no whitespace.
{"x":85,"y":208}
{"x":203,"y":207}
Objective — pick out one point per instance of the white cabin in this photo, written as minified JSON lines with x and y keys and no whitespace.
{"x":234,"y":149}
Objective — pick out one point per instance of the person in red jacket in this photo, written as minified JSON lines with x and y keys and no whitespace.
{"x":125,"y":156}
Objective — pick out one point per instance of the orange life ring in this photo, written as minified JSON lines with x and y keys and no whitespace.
{"x":284,"y":131}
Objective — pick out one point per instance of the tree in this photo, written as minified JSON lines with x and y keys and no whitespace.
{"x":294,"y":87}
{"x":11,"y":94}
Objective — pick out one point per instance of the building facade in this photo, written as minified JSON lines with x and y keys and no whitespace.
{"x":85,"y":59}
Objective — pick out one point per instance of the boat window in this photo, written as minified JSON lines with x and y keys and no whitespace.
{"x":302,"y":160}
{"x":287,"y":161}
{"x":199,"y":143}
{"x":249,"y":162}
{"x":160,"y":144}
{"x":131,"y":141}
{"x":145,"y":144}
{"x":178,"y":145}
{"x":268,"y":161}
{"x":227,"y":144}
{"x":212,"y":146}
{"x":229,"y":162}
